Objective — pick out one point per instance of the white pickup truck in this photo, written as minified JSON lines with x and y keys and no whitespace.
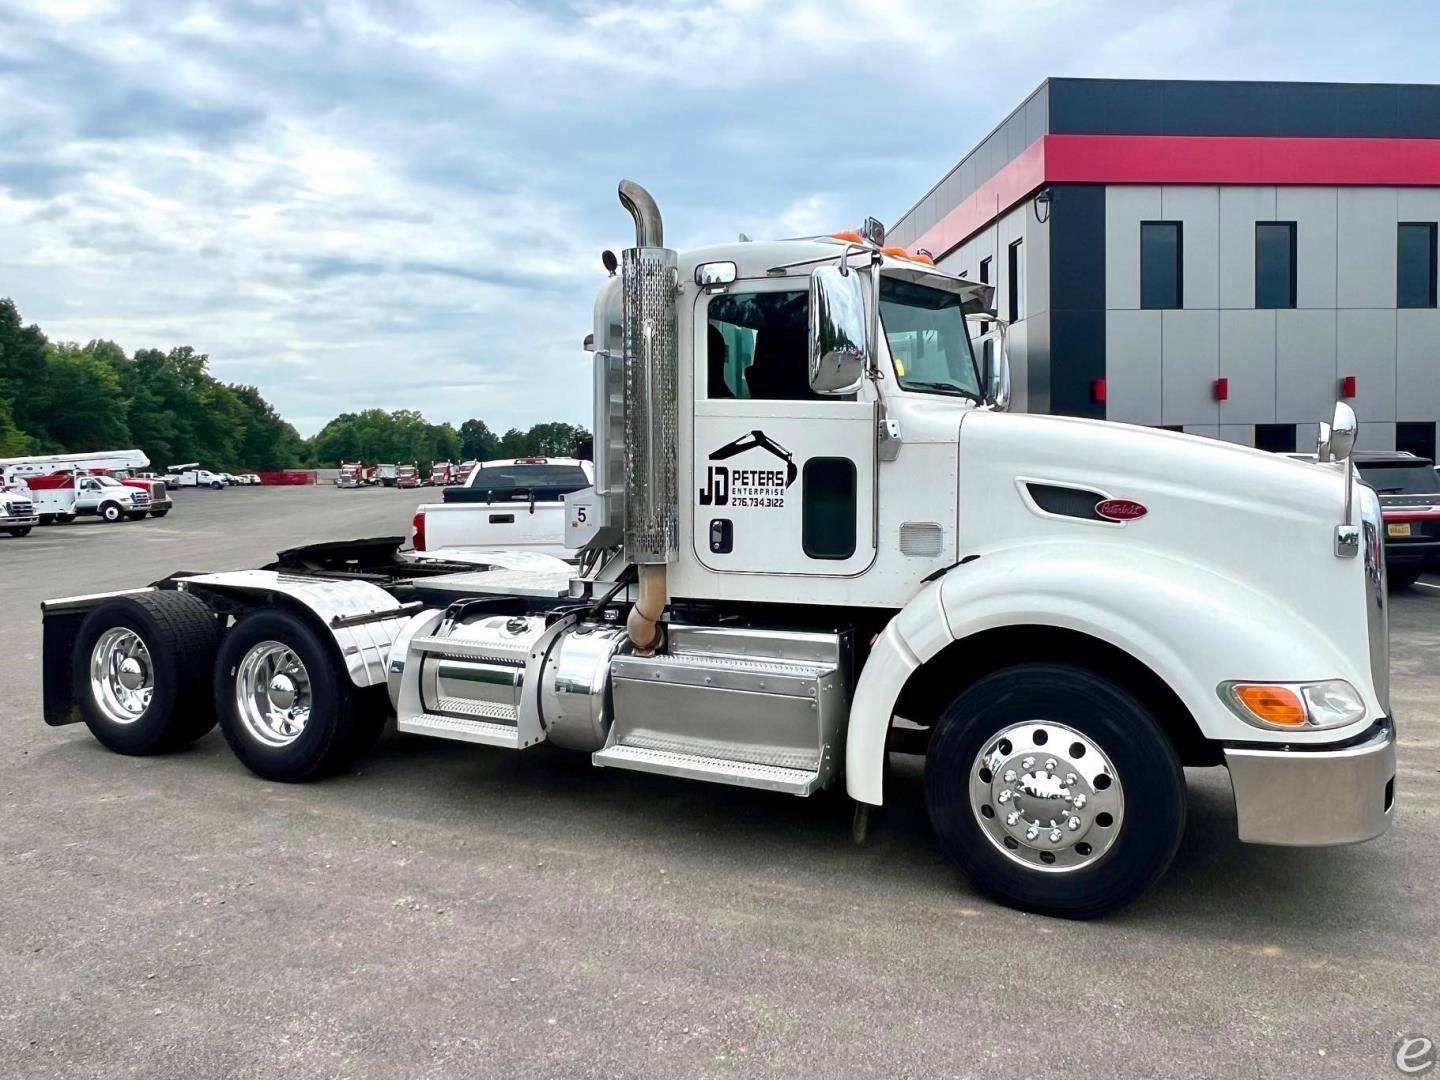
{"x":514,"y":504}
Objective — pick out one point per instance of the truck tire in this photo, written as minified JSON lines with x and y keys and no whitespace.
{"x":23,"y":530}
{"x":216,"y":485}
{"x":64,"y":519}
{"x":160,"y":511}
{"x":1401,"y":579}
{"x":286,"y":704}
{"x":111,"y":512}
{"x":137,"y":515}
{"x":141,"y":671}
{"x":1055,"y":790}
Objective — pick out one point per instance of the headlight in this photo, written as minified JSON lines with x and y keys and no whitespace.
{"x":1294,"y":706}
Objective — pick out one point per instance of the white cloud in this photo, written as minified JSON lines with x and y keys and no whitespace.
{"x":375,"y":203}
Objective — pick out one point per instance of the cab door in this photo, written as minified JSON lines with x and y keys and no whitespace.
{"x":784,"y":478}
{"x":87,"y":495}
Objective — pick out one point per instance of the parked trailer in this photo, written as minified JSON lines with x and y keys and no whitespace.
{"x":812,"y":518}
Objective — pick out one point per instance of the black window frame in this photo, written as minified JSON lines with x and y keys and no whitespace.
{"x":807,"y":526}
{"x":1179,"y":304}
{"x":985,"y":270}
{"x":1293,"y":284}
{"x":1425,"y":445}
{"x":1431,"y":228}
{"x":1013,"y":254}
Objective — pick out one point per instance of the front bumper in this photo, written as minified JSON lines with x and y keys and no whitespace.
{"x":20,"y":522}
{"x":1299,"y":797}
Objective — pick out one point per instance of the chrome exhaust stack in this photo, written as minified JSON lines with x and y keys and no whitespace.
{"x":649,"y":284}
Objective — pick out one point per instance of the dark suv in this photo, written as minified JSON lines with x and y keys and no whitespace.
{"x":1409,"y":490}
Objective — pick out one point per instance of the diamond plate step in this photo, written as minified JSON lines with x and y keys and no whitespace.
{"x":716,"y":770}
{"x":471,"y":731}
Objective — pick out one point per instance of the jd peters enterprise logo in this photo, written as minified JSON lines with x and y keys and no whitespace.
{"x":760,"y":488}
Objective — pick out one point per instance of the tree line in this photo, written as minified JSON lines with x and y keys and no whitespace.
{"x":63,"y":397}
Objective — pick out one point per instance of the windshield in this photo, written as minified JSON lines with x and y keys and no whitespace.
{"x":106,"y":481}
{"x":929,"y":346}
{"x":1418,"y":479}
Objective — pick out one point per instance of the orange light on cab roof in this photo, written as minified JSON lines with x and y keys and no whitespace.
{"x":921,"y":257}
{"x":1276,"y":705}
{"x":851,"y":235}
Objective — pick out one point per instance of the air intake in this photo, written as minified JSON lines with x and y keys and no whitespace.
{"x":1066,"y":501}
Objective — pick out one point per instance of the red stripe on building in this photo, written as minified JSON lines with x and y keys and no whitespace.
{"x":1187,"y":159}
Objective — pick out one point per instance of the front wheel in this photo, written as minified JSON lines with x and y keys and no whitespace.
{"x":160,"y":511}
{"x":23,"y":530}
{"x":216,"y":485}
{"x":137,"y":515}
{"x":1055,"y":790}
{"x":111,"y":512}
{"x":1402,"y":579}
{"x":286,"y":704}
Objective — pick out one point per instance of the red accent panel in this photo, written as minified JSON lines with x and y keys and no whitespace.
{"x":1024,"y":175}
{"x":1348,"y":386}
{"x":1222,"y":389}
{"x":1097,"y":390}
{"x":1186,"y":159}
{"x":1417,"y":515}
{"x":1190,"y":159}
{"x":52,"y":482}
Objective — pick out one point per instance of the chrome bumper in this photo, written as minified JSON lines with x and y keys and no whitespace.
{"x":1310,"y":798}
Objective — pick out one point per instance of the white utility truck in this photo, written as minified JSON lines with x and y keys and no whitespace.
{"x":514,"y":504}
{"x":815,"y":537}
{"x":123,"y":466}
{"x":192,"y":475}
{"x":17,"y":510}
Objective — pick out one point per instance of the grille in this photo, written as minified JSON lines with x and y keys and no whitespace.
{"x":139,"y":498}
{"x":651,"y":404}
{"x":21,"y":508}
{"x":923,"y":539}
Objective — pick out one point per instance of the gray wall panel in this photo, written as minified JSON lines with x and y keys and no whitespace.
{"x":1190,"y":342}
{"x":1240,"y":209}
{"x":1417,"y":355}
{"x":1198,"y":208}
{"x":1247,"y":359}
{"x":1365,"y":348}
{"x":1366,"y":249}
{"x":1125,"y":208}
{"x":1304,"y":366}
{"x":1376,"y":436}
{"x":1132,"y":366}
{"x":1244,"y":434}
{"x":1313,"y":210}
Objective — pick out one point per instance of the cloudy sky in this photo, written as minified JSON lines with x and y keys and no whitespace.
{"x":381,"y":203}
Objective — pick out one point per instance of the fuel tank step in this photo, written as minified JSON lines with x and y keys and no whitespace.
{"x":716,"y":770}
{"x":484,"y":732}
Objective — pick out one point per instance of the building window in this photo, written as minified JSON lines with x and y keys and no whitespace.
{"x":985,"y":271}
{"x":1417,"y":437}
{"x":1161,"y":277}
{"x":1277,"y":438}
{"x":1275,"y":264}
{"x":1016,"y":268}
{"x":1415,"y":265}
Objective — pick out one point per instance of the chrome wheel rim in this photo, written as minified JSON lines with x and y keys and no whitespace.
{"x":122,"y":675}
{"x":1047,"y":797}
{"x":273,"y":693}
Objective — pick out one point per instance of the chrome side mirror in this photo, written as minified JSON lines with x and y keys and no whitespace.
{"x":839,"y":330}
{"x":1337,"y":438}
{"x":1000,"y":391}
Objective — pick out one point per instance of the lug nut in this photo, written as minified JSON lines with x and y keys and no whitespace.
{"x":1079,"y":801}
{"x":1073,"y":824}
{"x":1050,"y":764}
{"x":1013,"y":818}
{"x":1005,"y":795}
{"x":1028,"y":763}
{"x":1071,"y":778}
{"x":1010,"y":776}
{"x":1054,"y":836}
{"x":1032,"y":832}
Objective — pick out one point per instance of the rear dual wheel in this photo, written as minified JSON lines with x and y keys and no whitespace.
{"x":141,"y":672}
{"x":1055,"y":790}
{"x":286,"y":705}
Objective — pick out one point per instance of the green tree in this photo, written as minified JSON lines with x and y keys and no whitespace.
{"x":80,"y":401}
{"x":24,"y":362}
{"x":478,"y":442}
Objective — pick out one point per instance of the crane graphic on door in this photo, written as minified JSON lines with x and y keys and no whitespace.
{"x":761,"y":488}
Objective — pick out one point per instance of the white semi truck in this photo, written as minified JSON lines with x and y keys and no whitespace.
{"x":815,"y":537}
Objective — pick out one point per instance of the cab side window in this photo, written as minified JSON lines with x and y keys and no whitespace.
{"x":757,"y":347}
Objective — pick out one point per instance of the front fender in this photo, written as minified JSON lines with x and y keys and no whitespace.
{"x":1193,"y":627}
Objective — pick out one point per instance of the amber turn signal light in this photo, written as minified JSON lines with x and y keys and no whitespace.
{"x":1277,"y":705}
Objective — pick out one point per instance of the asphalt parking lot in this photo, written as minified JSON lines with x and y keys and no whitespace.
{"x":455,"y":911}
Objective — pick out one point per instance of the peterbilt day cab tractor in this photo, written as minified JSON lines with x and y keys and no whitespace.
{"x":814,"y":536}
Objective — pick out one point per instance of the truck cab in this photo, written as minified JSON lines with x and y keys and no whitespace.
{"x":815,"y":537}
